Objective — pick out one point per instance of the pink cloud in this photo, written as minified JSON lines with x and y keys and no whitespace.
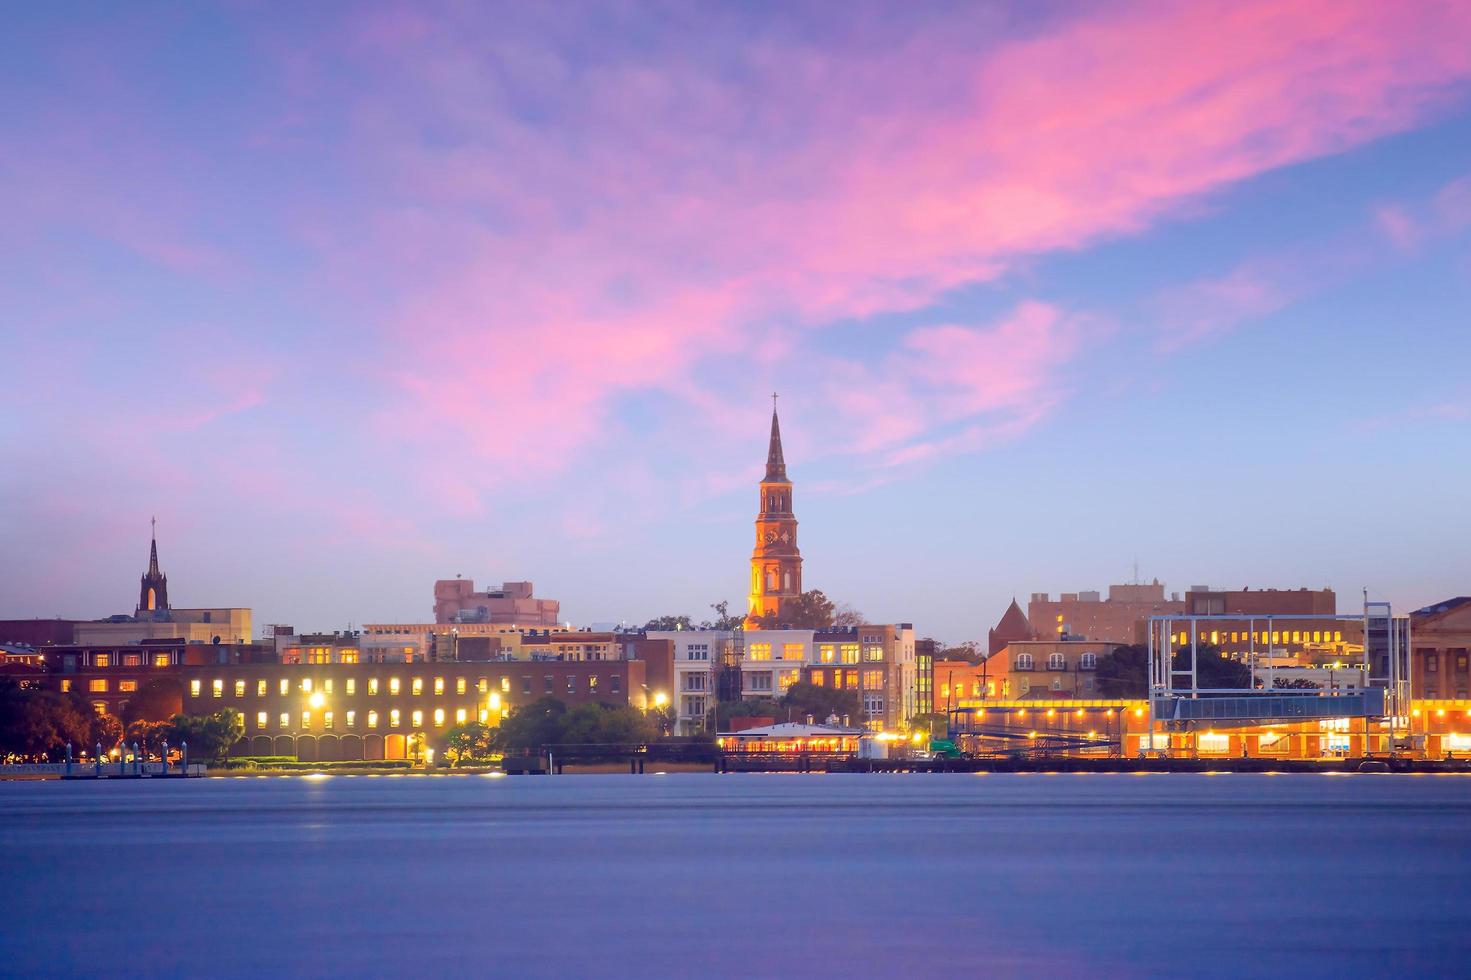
{"x":674,"y":211}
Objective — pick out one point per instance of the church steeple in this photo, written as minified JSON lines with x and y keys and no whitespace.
{"x":776,"y":563}
{"x":776,"y":466}
{"x":153,"y":591}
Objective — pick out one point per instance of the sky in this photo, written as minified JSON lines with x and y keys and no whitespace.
{"x":356,"y":296}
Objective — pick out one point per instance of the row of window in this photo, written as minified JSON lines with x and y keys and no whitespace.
{"x":100,"y":685}
{"x":873,"y":680}
{"x":1216,"y":637}
{"x":130,"y":659}
{"x":394,"y":718}
{"x":1432,"y":662}
{"x":307,"y":685}
{"x":1057,"y":661}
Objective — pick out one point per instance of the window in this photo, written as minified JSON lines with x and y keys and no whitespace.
{"x":349,"y":657}
{"x":261,"y":719}
{"x":873,"y":680}
{"x":817,"y":678}
{"x":350,"y":686}
{"x":792,"y":651}
{"x":327,"y":721}
{"x":217,"y":688}
{"x":194,"y":688}
{"x":525,"y":683}
{"x":459,"y":685}
{"x":372,"y":685}
{"x":439,"y":686}
{"x":285,"y":687}
{"x":848,"y":653}
{"x":693,"y":682}
{"x":787,"y":678}
{"x":1088,"y":661}
{"x":260,"y":688}
{"x":439,"y":717}
{"x":1432,"y":663}
{"x":873,"y":652}
{"x":101,"y":660}
{"x":306,"y":721}
{"x":98,"y":686}
{"x":393,"y":686}
{"x":418,"y":685}
{"x":284,"y":721}
{"x":1056,"y":661}
{"x":873,"y":705}
{"x":160,"y":660}
{"x":66,"y":684}
{"x":460,"y":716}
{"x":327,"y":686}
{"x":549,"y":684}
{"x":697,"y":651}
{"x":1023,"y":661}
{"x":240,"y":689}
{"x":827,"y":653}
{"x":482,"y":685}
{"x":592,"y":684}
{"x":692,"y":707}
{"x":506,"y":686}
{"x":615,"y":684}
{"x":759,"y":651}
{"x":394,"y":718}
{"x":759,"y":680}
{"x":127,"y":687}
{"x":417,"y":718}
{"x":306,"y":685}
{"x":372,"y":719}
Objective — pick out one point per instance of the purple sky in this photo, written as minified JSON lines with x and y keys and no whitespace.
{"x":356,"y":296}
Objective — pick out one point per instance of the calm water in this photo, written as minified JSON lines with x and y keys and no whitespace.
{"x":740,"y":875}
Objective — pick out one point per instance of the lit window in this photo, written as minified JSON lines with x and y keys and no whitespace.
{"x":284,"y":721}
{"x":160,"y":660}
{"x":787,"y":678}
{"x":372,"y":719}
{"x":349,"y":657}
{"x":66,"y":684}
{"x":873,"y":680}
{"x":306,"y":721}
{"x":817,"y":678}
{"x":327,"y":720}
{"x":393,"y":686}
{"x":352,"y":719}
{"x":792,"y":651}
{"x":217,"y":688}
{"x":482,"y":685}
{"x":592,"y":684}
{"x":260,"y":688}
{"x":438,"y":686}
{"x":417,"y":718}
{"x":459,"y":685}
{"x":439,"y":717}
{"x":285,"y":687}
{"x":194,"y":688}
{"x":1337,"y":637}
{"x":460,"y":716}
{"x":351,"y":686}
{"x":127,"y":687}
{"x":418,"y":685}
{"x":759,"y":651}
{"x":327,"y":686}
{"x":101,"y":660}
{"x":827,"y":653}
{"x":306,"y":685}
{"x":872,"y":653}
{"x":261,"y":719}
{"x":506,"y":686}
{"x":394,"y":718}
{"x":97,"y":686}
{"x":240,"y":689}
{"x":1214,"y":742}
{"x":848,"y":653}
{"x":372,"y":685}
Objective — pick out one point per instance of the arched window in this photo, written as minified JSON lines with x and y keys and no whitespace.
{"x":1024,"y":661}
{"x":1089,"y":661}
{"x":1057,"y":662}
{"x":789,"y":581}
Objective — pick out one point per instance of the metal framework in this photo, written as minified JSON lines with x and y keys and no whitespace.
{"x":1386,"y":654}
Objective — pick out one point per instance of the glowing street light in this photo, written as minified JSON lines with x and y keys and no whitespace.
{"x":316,"y":700}
{"x":660,"y":699}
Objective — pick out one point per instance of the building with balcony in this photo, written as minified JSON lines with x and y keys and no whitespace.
{"x":1048,"y":668}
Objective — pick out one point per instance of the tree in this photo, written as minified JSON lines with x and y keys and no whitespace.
{"x":805,"y":699}
{"x":531,"y":726}
{"x":469,"y":743}
{"x":38,"y":723}
{"x":724,"y":620}
{"x":1124,"y":673}
{"x":668,"y":623}
{"x":846,"y":617}
{"x":105,"y":730}
{"x":209,"y":736}
{"x":157,"y":699}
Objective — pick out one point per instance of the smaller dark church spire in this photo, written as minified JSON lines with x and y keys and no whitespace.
{"x":153,"y":591}
{"x":776,"y":466}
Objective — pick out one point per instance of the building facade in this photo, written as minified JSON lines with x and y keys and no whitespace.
{"x":456,"y":601}
{"x":1440,"y":644}
{"x":1086,"y":615}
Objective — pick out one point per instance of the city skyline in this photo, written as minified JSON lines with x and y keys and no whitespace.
{"x":352,"y":305}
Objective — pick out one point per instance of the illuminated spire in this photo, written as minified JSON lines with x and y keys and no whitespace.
{"x":153,"y":549}
{"x":776,"y":466}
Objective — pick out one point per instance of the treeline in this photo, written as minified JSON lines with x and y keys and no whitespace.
{"x":37,"y":724}
{"x":587,"y":730}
